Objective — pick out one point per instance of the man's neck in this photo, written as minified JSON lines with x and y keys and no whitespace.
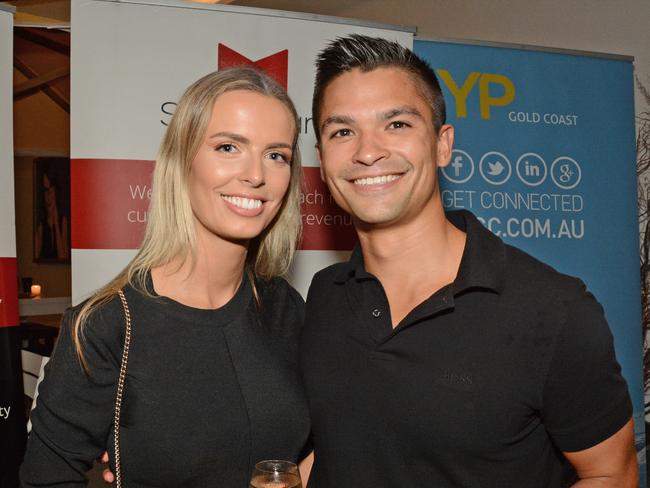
{"x":413,"y":260}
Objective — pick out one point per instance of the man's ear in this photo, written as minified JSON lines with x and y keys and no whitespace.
{"x":445,"y":145}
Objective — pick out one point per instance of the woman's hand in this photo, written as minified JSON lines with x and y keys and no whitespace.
{"x":107,"y":474}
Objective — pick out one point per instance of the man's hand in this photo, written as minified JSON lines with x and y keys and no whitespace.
{"x":107,"y":474}
{"x":611,"y":463}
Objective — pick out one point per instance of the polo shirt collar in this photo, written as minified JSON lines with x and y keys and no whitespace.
{"x":353,"y":268}
{"x":484,"y":257}
{"x":482,"y":264}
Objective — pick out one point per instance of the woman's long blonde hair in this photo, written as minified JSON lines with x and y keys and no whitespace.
{"x":170,"y":228}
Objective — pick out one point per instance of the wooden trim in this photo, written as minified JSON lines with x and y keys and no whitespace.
{"x":30,"y":73}
{"x":38,"y":81}
{"x":32,"y":35}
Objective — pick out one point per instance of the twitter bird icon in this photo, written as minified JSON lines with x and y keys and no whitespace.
{"x":495,"y":168}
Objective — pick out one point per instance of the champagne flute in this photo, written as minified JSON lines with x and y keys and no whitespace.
{"x":275,"y":474}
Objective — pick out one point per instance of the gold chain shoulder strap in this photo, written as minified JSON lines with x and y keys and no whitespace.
{"x":120,"y":390}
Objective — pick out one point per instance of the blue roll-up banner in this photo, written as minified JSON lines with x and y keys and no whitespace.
{"x":545,"y":156}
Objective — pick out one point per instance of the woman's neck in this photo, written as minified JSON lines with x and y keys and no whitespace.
{"x":207,"y":280}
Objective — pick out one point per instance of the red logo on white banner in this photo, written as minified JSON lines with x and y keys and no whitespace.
{"x":276,"y":65}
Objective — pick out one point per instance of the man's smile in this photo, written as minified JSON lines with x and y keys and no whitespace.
{"x":376,"y":180}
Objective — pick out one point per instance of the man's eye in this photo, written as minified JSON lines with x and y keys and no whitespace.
{"x":398,"y":124}
{"x":342,"y":133}
{"x":227,"y":148}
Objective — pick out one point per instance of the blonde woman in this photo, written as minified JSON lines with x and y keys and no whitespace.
{"x":211,"y":385}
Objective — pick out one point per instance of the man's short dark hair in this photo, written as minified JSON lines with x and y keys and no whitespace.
{"x":369,"y":53}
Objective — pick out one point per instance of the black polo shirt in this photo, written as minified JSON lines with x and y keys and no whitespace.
{"x":481,"y":385}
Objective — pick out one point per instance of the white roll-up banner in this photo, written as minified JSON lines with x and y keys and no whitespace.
{"x":130,"y":64}
{"x":12,"y":421}
{"x":8,"y":282}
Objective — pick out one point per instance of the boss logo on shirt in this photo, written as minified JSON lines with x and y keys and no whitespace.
{"x":452,"y":378}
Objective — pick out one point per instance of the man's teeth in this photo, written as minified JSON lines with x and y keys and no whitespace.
{"x":377,"y":180}
{"x":246,"y":203}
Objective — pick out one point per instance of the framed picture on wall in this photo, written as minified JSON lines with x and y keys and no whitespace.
{"x":52,"y":210}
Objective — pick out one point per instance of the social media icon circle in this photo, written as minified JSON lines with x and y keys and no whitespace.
{"x":531,"y":169}
{"x":460,"y":168}
{"x":566,"y":172}
{"x":495,"y":168}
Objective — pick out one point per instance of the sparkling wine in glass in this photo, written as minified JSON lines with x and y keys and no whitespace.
{"x":275,"y":474}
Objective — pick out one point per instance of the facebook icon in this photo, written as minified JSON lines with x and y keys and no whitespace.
{"x":461,"y":167}
{"x":457,"y":164}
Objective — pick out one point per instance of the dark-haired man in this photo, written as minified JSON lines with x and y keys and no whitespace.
{"x":438,"y":356}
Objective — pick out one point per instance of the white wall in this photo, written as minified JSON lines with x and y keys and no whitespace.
{"x":608,"y":26}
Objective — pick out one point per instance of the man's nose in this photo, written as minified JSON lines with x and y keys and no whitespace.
{"x":370,"y":150}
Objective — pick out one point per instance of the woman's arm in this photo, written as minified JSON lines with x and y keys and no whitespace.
{"x":305,"y":468}
{"x":73,"y":415}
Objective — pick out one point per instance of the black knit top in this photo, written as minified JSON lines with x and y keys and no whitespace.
{"x":208,"y":392}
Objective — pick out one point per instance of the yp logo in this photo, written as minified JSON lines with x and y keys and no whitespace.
{"x":495,"y":90}
{"x":276,"y":65}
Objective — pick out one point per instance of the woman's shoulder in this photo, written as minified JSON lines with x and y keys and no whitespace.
{"x":99,"y":323}
{"x":278,"y":290}
{"x":105,"y":320}
{"x":279,"y":304}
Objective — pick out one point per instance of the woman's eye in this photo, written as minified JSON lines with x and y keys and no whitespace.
{"x":276,"y":156}
{"x":227,"y":148}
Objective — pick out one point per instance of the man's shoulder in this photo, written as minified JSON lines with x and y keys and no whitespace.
{"x":528,"y":274}
{"x":514,"y":269}
{"x":327,"y":284}
{"x":333,"y":270}
{"x":330,"y":275}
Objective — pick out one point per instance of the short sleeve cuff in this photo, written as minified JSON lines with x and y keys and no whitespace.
{"x":597,"y":430}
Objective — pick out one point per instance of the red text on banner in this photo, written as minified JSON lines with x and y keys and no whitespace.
{"x":110,"y":201}
{"x":324,"y":225}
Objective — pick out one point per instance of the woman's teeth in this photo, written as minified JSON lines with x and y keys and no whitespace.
{"x":245,"y":203}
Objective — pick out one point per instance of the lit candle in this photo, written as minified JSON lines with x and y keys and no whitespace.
{"x":36,"y":291}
